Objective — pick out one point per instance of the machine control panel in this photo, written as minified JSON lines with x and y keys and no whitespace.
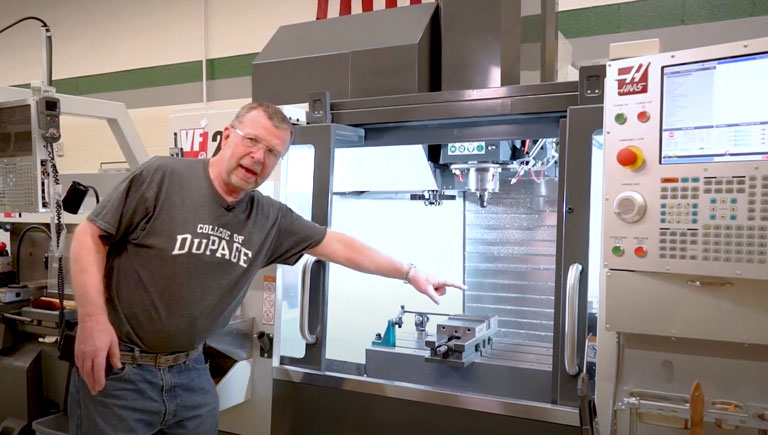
{"x":23,"y":156}
{"x":686,"y":162}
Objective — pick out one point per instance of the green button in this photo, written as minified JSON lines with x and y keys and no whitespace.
{"x":663,"y":212}
{"x":663,"y":205}
{"x":733,"y":217}
{"x":695,"y":180}
{"x":695,"y":205}
{"x":712,"y":217}
{"x":620,"y":118}
{"x":734,"y":200}
{"x":694,"y":221}
{"x":684,"y":180}
{"x":663,"y":220}
{"x":617,"y":250}
{"x":713,"y":200}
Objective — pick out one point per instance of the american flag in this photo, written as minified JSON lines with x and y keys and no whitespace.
{"x":335,"y":8}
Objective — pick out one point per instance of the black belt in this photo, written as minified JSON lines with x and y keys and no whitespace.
{"x":159,"y":360}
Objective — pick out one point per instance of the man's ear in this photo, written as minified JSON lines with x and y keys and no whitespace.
{"x":226,"y":136}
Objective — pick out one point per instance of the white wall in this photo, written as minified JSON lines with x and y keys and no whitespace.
{"x":93,"y":37}
{"x":87,"y":142}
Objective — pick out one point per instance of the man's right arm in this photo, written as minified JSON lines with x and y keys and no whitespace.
{"x":96,"y":337}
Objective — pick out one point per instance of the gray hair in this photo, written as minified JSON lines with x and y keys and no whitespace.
{"x":272,"y":112}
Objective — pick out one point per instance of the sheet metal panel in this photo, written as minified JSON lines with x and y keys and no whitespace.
{"x":510,"y":259}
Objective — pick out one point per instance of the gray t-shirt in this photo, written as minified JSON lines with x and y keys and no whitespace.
{"x":180,"y":257}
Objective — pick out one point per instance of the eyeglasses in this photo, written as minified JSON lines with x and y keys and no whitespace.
{"x":271,"y":153}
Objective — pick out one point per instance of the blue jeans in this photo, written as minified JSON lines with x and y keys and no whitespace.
{"x":141,"y":399}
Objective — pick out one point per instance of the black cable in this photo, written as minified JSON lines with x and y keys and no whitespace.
{"x":59,"y":229}
{"x":95,"y":192}
{"x":18,"y":247}
{"x":25,"y":19}
{"x":48,"y":43}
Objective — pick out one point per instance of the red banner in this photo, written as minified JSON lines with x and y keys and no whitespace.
{"x":322,"y":9}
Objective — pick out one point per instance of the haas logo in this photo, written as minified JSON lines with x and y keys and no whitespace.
{"x":633,"y":79}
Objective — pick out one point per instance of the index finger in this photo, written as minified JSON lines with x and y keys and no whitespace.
{"x":99,"y":373}
{"x":451,"y":284}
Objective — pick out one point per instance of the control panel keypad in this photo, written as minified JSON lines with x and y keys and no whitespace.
{"x":724,"y":243}
{"x":679,"y":244}
{"x":680,"y":198}
{"x":725,"y":222}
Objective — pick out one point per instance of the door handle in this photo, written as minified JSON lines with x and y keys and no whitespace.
{"x":572,"y":318}
{"x":306,"y":274}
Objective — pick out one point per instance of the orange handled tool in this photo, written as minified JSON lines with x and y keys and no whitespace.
{"x":697,"y":405}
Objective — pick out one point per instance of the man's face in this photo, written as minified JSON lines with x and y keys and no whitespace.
{"x":251,"y":150}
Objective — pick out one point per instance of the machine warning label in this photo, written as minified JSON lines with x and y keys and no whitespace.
{"x":633,"y":79}
{"x":268,"y":305}
{"x":463,"y":148}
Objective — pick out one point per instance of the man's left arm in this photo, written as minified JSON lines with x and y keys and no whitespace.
{"x":350,"y":252}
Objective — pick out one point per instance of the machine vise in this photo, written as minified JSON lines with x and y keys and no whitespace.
{"x":460,"y":339}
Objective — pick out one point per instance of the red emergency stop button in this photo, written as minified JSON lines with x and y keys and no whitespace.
{"x":630,"y":157}
{"x":643,"y":116}
{"x":641,"y":252}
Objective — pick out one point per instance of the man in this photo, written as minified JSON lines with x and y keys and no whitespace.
{"x":166,"y":259}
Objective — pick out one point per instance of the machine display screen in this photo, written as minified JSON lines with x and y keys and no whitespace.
{"x":15,"y":131}
{"x":715,"y":111}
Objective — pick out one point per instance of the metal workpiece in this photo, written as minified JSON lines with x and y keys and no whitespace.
{"x":460,"y":339}
{"x":408,"y":391}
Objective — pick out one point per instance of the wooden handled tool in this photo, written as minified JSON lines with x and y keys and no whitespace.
{"x":697,"y":405}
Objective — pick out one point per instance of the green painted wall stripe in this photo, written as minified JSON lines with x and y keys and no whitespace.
{"x":761,"y":8}
{"x":230,"y":67}
{"x":706,"y":11}
{"x":577,"y":23}
{"x":600,"y":20}
{"x":162,"y":75}
{"x":654,"y":14}
{"x":650,"y":14}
